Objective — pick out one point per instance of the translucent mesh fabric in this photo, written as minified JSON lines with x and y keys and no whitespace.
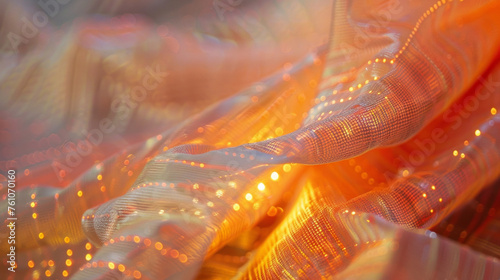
{"x":277,"y":140}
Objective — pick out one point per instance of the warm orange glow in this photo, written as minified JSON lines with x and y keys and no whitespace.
{"x":291,"y":139}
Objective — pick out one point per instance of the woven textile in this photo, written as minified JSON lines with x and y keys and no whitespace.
{"x":251,"y":140}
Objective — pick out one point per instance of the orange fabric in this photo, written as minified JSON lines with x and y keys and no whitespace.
{"x":266,"y":140}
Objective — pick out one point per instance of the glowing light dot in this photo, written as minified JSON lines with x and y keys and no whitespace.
{"x":183,"y":258}
{"x":478,"y":132}
{"x":432,"y":210}
{"x":275,"y":176}
{"x":34,"y":215}
{"x":80,"y":193}
{"x":462,"y":155}
{"x":248,"y":196}
{"x":111,"y":265}
{"x":272,"y":211}
{"x":158,"y":246}
{"x":69,"y":262}
{"x":236,"y":207}
{"x":47,"y":273}
{"x":40,"y":235}
{"x":51,"y":263}
{"x":137,"y":239}
{"x":137,"y":274}
{"x":31,"y":264}
{"x":493,"y":111}
{"x":219,"y":193}
{"x":424,"y":195}
{"x":88,"y":246}
{"x":99,"y":177}
{"x":174,"y":254}
{"x":353,"y":213}
{"x":440,"y":200}
{"x":202,"y":165}
{"x":65,"y":273}
{"x":455,"y":153}
{"x":121,"y":267}
{"x":66,"y":239}
{"x":32,"y":204}
{"x":69,"y":252}
{"x":88,"y":257}
{"x":433,"y":187}
{"x":287,"y":167}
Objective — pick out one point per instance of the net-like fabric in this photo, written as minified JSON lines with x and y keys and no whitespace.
{"x":267,"y":140}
